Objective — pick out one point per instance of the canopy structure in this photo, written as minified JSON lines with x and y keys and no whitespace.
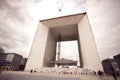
{"x":63,"y":61}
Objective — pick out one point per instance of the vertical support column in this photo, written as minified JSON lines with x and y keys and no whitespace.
{"x":91,"y":59}
{"x":80,"y":53}
{"x":59,"y":47}
{"x":35,"y":59}
{"x":50,"y":50}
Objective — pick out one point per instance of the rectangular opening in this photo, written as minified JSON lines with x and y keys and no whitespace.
{"x":69,"y":51}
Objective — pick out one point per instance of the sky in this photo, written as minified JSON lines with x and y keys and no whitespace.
{"x":19,"y":20}
{"x":68,"y":50}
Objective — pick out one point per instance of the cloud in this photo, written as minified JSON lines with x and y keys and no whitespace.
{"x":15,"y":21}
{"x":104,"y":18}
{"x":12,"y":12}
{"x":37,"y":1}
{"x":19,"y":19}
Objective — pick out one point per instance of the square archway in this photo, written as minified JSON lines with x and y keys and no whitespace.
{"x":70,"y":27}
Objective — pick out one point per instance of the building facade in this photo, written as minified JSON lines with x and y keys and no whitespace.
{"x":71,"y":27}
{"x":22,"y":64}
{"x":11,"y":60}
{"x":110,"y":66}
{"x":117,"y":58}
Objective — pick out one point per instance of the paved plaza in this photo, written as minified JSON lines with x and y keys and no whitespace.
{"x":13,"y":75}
{"x":28,"y":76}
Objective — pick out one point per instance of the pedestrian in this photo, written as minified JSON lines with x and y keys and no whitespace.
{"x":99,"y":74}
{"x":94,"y":73}
{"x":31,"y":71}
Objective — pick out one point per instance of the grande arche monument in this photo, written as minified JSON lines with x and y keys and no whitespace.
{"x":71,"y":27}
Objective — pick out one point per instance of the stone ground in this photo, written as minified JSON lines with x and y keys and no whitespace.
{"x":13,"y":75}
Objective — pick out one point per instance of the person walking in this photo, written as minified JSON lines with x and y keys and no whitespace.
{"x":100,"y":74}
{"x":31,"y":71}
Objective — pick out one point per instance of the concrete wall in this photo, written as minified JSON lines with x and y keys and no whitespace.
{"x":36,"y":56}
{"x":91,"y":59}
{"x":50,"y":50}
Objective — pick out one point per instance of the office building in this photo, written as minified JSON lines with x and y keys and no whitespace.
{"x":11,"y":60}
